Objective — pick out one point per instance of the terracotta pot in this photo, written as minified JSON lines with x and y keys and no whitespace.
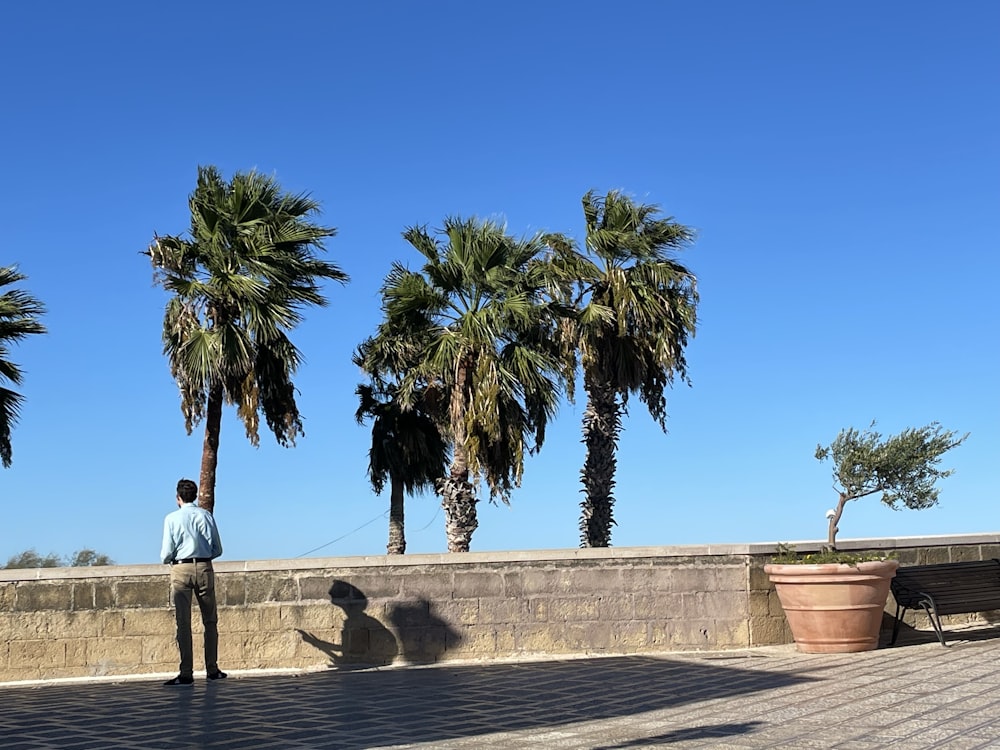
{"x":833,"y":608}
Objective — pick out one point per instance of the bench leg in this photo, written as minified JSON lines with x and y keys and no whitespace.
{"x":900,"y":611}
{"x":931,"y":610}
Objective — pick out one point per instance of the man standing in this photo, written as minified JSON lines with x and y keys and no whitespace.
{"x":190,"y":542}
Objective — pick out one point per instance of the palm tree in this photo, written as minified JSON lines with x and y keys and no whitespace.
{"x":635,"y":312}
{"x":484,"y":328}
{"x":19,"y":313}
{"x":407,"y":449}
{"x":239,"y":283}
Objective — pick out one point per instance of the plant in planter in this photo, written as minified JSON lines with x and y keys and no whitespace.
{"x":834,"y":601}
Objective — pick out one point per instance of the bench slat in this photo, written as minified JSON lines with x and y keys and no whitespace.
{"x":947,"y":589}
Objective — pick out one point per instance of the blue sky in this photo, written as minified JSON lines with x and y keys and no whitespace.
{"x":839,"y":161}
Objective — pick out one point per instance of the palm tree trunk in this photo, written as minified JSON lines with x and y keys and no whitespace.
{"x":457,"y":496}
{"x":459,"y":502}
{"x":397,"y":539}
{"x":210,"y":450}
{"x":601,"y":425}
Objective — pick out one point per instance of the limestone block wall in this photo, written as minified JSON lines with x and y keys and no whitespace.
{"x":73,"y":622}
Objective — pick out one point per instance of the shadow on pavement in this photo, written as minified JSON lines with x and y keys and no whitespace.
{"x":354,"y":710}
{"x":713,"y":731}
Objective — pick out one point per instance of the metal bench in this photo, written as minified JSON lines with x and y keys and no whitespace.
{"x":946,"y":589}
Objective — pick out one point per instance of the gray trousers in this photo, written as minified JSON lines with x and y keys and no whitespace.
{"x":199,"y":579}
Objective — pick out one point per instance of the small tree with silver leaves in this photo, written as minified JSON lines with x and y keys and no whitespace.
{"x":902,"y":467}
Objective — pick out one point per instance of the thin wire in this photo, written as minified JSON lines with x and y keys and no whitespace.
{"x":431,"y":521}
{"x":368,"y":523}
{"x":333,"y":541}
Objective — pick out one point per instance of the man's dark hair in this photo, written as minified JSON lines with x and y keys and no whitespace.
{"x":187,"y":491}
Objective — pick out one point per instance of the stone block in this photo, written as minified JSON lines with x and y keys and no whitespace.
{"x":16,"y":674}
{"x":760,"y":603}
{"x":34,"y":596}
{"x":374,"y":585}
{"x":111,"y":623}
{"x":694,"y":578}
{"x":564,"y":638}
{"x":591,"y":579}
{"x":104,"y":595}
{"x":315,"y":588}
{"x":472,"y":642}
{"x":769,"y":631}
{"x":43,"y":654}
{"x":8,"y":621}
{"x":276,"y":586}
{"x":115,"y":655}
{"x":424,"y":645}
{"x":230,"y":589}
{"x":6,"y":596}
{"x":714,"y":604}
{"x":76,"y":653}
{"x":538,"y":582}
{"x":616,"y":607}
{"x":535,"y":610}
{"x":309,"y":616}
{"x":270,"y":649}
{"x":475,"y":584}
{"x":933,"y":555}
{"x":989,"y":551}
{"x":658,"y":606}
{"x":574,"y":609}
{"x":965,"y":554}
{"x":52,"y":624}
{"x":650,"y":579}
{"x":629,"y":637}
{"x":147,"y":592}
{"x":244,"y":619}
{"x":427,"y":582}
{"x":468,"y":611}
{"x":83,"y":624}
{"x":409,"y":614}
{"x":683,"y":634}
{"x":141,"y":622}
{"x":319,"y":645}
{"x":758,"y":579}
{"x":83,"y":595}
{"x":161,"y":649}
{"x":731,"y":634}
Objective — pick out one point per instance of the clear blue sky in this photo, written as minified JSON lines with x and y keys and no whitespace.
{"x":840,"y":162}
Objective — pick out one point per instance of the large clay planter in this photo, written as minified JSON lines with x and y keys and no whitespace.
{"x":833,"y":608}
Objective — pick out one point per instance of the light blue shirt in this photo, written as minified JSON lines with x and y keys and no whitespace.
{"x":190,"y":532}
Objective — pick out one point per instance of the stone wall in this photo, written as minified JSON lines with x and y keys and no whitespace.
{"x":73,"y":622}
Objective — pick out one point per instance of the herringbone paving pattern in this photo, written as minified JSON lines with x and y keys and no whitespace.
{"x":915,"y":696}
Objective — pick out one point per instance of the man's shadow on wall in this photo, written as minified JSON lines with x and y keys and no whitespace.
{"x":366,"y":641}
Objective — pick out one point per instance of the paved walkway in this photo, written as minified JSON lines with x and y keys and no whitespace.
{"x":912,"y":696}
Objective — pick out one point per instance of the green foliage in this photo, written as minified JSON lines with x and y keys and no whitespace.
{"x":786,"y":555}
{"x":634,"y":309}
{"x":481,"y":331}
{"x":84,"y":558}
{"x":240,"y":282}
{"x":81,"y":558}
{"x":407,"y":446}
{"x":19,"y":313}
{"x":902,"y":467}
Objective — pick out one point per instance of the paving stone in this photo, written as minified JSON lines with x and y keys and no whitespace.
{"x":913,"y":696}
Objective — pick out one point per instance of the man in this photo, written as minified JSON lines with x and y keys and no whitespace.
{"x":190,"y":542}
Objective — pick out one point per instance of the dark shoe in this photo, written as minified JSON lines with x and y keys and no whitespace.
{"x":178,"y":680}
{"x":220,"y":675}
